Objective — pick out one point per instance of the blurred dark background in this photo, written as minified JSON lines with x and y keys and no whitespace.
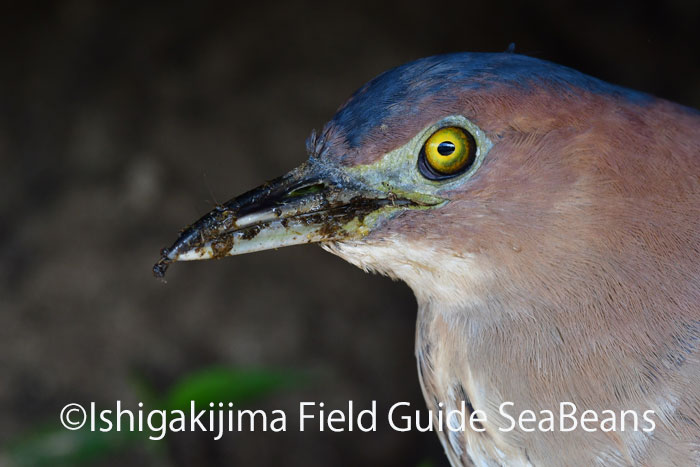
{"x":121,"y":123}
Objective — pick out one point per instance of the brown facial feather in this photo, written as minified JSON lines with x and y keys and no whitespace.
{"x":584,"y":223}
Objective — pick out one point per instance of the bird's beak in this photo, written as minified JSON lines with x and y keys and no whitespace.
{"x":309,"y":204}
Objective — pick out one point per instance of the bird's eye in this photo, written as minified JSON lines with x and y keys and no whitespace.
{"x":448,"y":152}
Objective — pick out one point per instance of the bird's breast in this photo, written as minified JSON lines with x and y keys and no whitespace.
{"x":451,"y":389}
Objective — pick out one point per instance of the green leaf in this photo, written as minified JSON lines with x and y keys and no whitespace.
{"x":59,"y":447}
{"x":227,"y":385}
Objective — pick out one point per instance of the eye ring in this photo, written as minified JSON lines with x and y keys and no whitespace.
{"x":447,"y":153}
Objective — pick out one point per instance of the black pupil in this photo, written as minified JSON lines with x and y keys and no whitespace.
{"x":446,"y":148}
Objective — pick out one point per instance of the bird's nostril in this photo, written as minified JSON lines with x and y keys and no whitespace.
{"x":306,"y":190}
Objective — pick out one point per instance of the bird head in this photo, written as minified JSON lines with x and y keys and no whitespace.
{"x":443,"y":172}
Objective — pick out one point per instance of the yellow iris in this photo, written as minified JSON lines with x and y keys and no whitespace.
{"x":449,"y":150}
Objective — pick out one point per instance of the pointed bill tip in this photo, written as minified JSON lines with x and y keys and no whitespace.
{"x":161,"y":266}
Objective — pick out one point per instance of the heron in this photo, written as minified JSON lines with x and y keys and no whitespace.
{"x":548,"y":224}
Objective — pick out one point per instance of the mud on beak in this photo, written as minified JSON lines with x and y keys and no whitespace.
{"x":307,"y":205}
